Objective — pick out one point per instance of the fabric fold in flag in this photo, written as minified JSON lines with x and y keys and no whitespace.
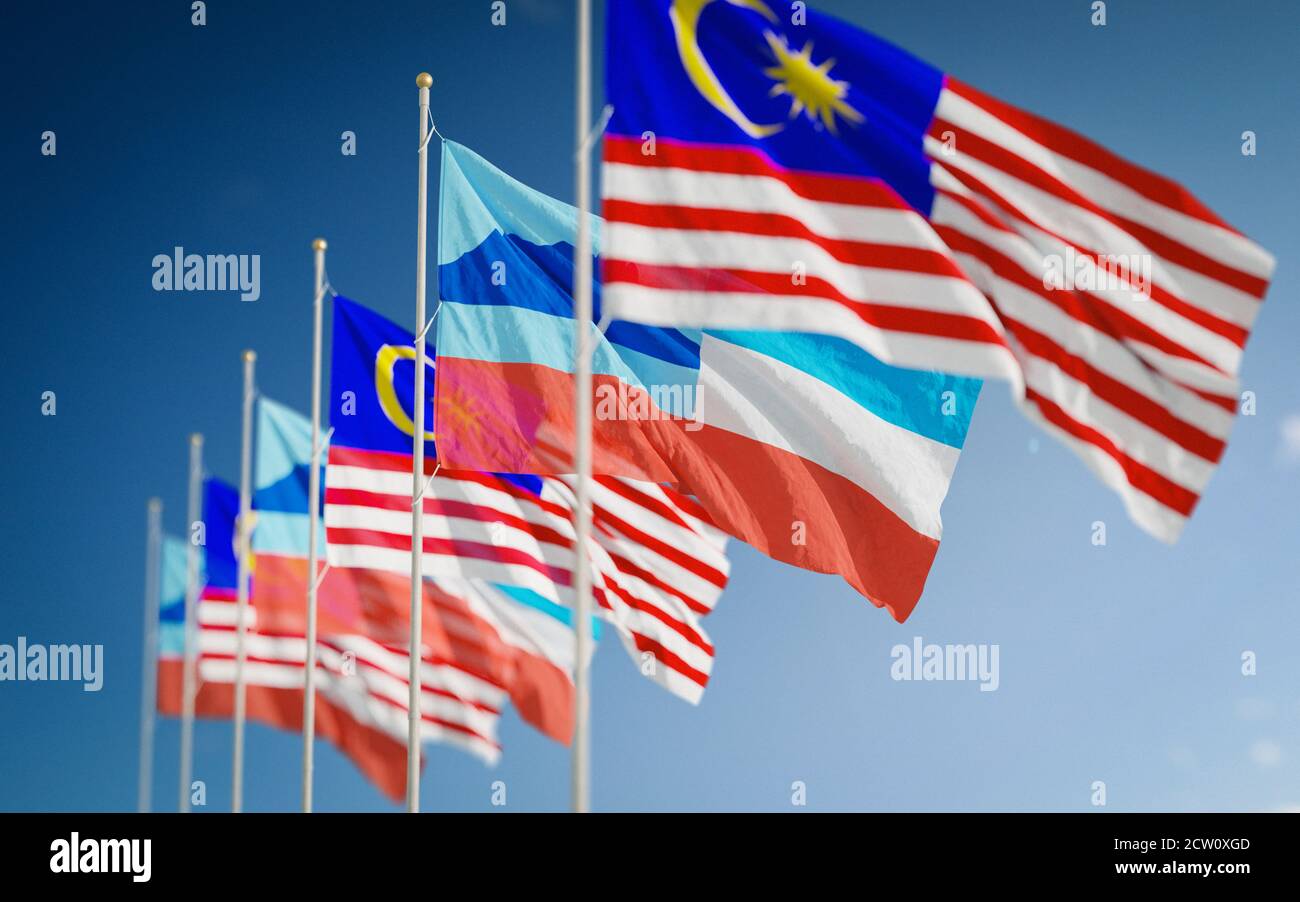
{"x":471,"y":630}
{"x":803,"y":445}
{"x":839,"y":184}
{"x":658,"y":565}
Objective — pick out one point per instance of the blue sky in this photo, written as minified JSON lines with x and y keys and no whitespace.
{"x":1119,"y":663}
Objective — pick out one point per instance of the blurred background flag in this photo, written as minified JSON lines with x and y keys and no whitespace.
{"x":659,"y":565}
{"x":802,"y":445}
{"x":171,"y":626}
{"x":361,"y":705}
{"x":482,"y":642}
{"x":772,"y":171}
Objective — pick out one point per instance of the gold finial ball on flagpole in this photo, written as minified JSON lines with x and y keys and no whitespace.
{"x":424,"y":80}
{"x":319,"y":244}
{"x":250,"y":356}
{"x":196,"y":438}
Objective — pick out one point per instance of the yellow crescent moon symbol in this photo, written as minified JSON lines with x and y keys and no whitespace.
{"x":685,"y":16}
{"x":392,"y":408}
{"x":246,"y":533}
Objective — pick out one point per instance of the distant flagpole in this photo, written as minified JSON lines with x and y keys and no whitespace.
{"x":581,"y":762}
{"x":423,"y":81}
{"x":313,"y":520}
{"x":188,"y":679}
{"x":149,"y":652}
{"x":243,"y":540}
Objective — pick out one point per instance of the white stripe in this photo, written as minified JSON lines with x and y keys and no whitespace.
{"x":1209,"y":239}
{"x":1152,"y":515}
{"x":1083,"y":228}
{"x":1099,"y":348}
{"x":659,"y":185}
{"x":755,"y":396}
{"x":781,"y":255}
{"x":733,"y":310}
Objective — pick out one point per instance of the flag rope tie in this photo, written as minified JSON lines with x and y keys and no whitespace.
{"x":596,"y":130}
{"x":433,"y":130}
{"x":427,"y":483}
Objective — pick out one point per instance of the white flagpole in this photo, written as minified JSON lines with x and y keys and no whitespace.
{"x":423,"y":81}
{"x":313,"y":521}
{"x":581,"y":762}
{"x":149,"y":666}
{"x":188,"y":681}
{"x":243,"y":539}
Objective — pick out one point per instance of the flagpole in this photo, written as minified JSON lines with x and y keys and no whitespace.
{"x":188,"y":678}
{"x":582,"y":423}
{"x":313,"y":520}
{"x":423,"y":81}
{"x":149,"y":666}
{"x":244,"y":537}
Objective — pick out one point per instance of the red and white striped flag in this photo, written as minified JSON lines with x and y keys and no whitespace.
{"x":658,"y":565}
{"x":361,"y":694}
{"x":934,"y":226}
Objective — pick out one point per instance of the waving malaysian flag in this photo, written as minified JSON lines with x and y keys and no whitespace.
{"x":659,"y":566}
{"x":771,"y":167}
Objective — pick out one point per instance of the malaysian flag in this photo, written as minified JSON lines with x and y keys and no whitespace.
{"x":362,"y":684}
{"x":476,"y":634}
{"x":658,"y":565}
{"x":801,"y":175}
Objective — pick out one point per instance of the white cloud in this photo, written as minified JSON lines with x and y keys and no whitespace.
{"x":1289,"y":447}
{"x":1255,"y":708}
{"x":1266,"y":753}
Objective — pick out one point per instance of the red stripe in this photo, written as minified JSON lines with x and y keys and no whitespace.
{"x":886,"y":317}
{"x":439,"y":691}
{"x":1141,"y":477}
{"x":448,"y":508}
{"x":1072,"y":145}
{"x":1000,"y":158}
{"x":855,"y":253}
{"x":687,"y":504}
{"x":377,"y":460}
{"x":635,"y":570}
{"x":677,"y":626}
{"x":1109,"y":389}
{"x":213,"y":707}
{"x":432,"y":660}
{"x":669,"y":659}
{"x":629,"y":491}
{"x":657,"y":546}
{"x":1202,"y":318}
{"x":842,"y":189}
{"x":1077,"y":305}
{"x":480,"y":551}
{"x":451,"y":548}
